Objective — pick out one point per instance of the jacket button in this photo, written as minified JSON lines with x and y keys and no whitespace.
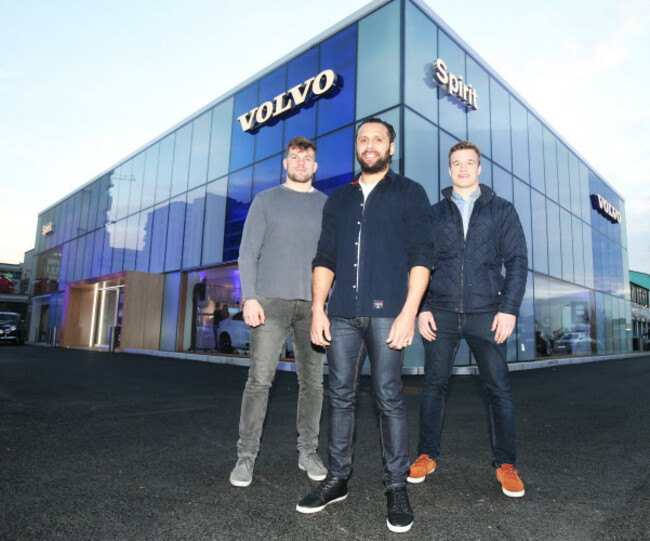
{"x":355,"y":265}
{"x":358,"y":223}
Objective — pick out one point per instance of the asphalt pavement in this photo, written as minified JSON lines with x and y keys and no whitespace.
{"x":117,"y":447}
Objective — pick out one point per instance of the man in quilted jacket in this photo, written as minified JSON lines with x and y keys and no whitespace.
{"x":477,"y":233}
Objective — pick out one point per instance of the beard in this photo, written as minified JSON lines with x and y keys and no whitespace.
{"x":380,"y":165}
{"x":301,"y":178}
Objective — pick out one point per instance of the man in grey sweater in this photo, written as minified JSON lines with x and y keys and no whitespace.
{"x":278,"y":244}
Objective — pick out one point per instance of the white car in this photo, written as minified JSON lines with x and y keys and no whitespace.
{"x":234,"y":335}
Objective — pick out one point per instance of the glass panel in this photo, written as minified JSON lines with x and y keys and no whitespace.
{"x":536,"y":149}
{"x":564,"y":184}
{"x":170,"y":305}
{"x":578,"y":252}
{"x":588,"y":253}
{"x":526,"y":324}
{"x":131,"y":241}
{"x":500,"y":108}
{"x":554,"y":245}
{"x":180,"y":167}
{"x":107,"y":250}
{"x":522,"y":205}
{"x":452,"y":112}
{"x":567,"y":246}
{"x":267,"y":174}
{"x":574,"y":181}
{"x":75,"y":210}
{"x":193,"y":228}
{"x":446,"y":142}
{"x":98,"y":248}
{"x":502,"y":183}
{"x":87,"y":270}
{"x":165,"y":160}
{"x":269,"y":136}
{"x":335,"y":155}
{"x":303,"y":123}
{"x":540,"y":242}
{"x":79,"y":258}
{"x":550,"y":165}
{"x":175,"y":228}
{"x":84,"y":208}
{"x":145,"y":232}
{"x":478,"y":121}
{"x":339,"y":53}
{"x":200,"y":150}
{"x":123,"y":176}
{"x":519,"y":121}
{"x":137,"y":181}
{"x":584,"y":194}
{"x":159,"y":238}
{"x":104,"y":203}
{"x":378,"y":78}
{"x":215,"y":213}
{"x":421,"y":50}
{"x":239,"y":200}
{"x":222,"y":123}
{"x":150,"y":174}
{"x":118,"y":239}
{"x":243,"y":143}
{"x":421,"y":153}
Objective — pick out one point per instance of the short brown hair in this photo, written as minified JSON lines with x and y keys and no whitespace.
{"x":462,"y":146}
{"x":302,"y":143}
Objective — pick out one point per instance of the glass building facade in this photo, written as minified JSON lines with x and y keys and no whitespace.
{"x":176,"y":207}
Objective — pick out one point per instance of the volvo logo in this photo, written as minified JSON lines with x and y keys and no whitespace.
{"x":299,"y":95}
{"x":600,"y":205}
{"x":454,"y":85}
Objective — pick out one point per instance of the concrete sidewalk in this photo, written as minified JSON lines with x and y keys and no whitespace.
{"x":107,"y":446}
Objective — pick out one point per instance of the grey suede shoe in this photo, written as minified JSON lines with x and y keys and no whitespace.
{"x":242,"y":475}
{"x":312,"y":464}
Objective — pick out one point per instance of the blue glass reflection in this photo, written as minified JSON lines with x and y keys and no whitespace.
{"x":165,"y":160}
{"x":335,"y":154}
{"x":502,"y":182}
{"x":267,"y":174}
{"x":239,"y":200}
{"x":269,"y":138}
{"x":150,"y":174}
{"x":339,"y":53}
{"x":145,"y":225}
{"x":160,"y":218}
{"x":181,"y":165}
{"x":446,"y":142}
{"x":421,"y":50}
{"x":215,"y":213}
{"x":540,"y":242}
{"x":478,"y":121}
{"x":550,"y":165}
{"x":500,"y":111}
{"x":452,"y":113}
{"x":174,"y":251}
{"x":200,"y":150}
{"x":243,"y":143}
{"x":193,"y":238}
{"x":521,"y":201}
{"x":302,"y":123}
{"x":421,"y":153}
{"x":519,"y":122}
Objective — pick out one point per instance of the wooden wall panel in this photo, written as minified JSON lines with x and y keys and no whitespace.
{"x":142,"y":311}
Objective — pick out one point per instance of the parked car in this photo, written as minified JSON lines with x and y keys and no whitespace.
{"x":12,"y":328}
{"x":573,"y":343}
{"x":235,"y":335}
{"x":544,"y":342}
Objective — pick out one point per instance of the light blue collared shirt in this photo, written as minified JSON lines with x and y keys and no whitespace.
{"x":465,"y":206}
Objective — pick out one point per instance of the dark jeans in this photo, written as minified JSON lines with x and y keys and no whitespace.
{"x":491,"y":359}
{"x":267,"y":340}
{"x":351,"y":339}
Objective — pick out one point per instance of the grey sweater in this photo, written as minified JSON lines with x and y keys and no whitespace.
{"x":279,"y":242}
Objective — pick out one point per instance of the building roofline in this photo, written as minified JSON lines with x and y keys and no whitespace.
{"x":350,"y":19}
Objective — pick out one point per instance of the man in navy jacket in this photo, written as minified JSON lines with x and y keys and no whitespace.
{"x":476,"y":233}
{"x":376,"y":241}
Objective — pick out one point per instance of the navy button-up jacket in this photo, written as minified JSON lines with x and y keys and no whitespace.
{"x":372,"y":247}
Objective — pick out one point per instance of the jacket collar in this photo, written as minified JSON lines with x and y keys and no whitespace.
{"x":487,"y":193}
{"x":389,"y":177}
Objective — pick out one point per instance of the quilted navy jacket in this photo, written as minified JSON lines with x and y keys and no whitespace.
{"x":467,"y":274}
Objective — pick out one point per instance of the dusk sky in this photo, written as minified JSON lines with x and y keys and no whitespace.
{"x":83,"y":84}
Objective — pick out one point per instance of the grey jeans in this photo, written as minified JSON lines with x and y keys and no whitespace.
{"x":282,"y":316}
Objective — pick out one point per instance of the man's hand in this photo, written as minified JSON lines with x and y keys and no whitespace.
{"x":320,"y":329}
{"x":254,"y":313}
{"x":503,"y":324}
{"x":401,"y":332}
{"x":427,"y":326}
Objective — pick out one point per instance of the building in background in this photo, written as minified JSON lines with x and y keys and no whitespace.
{"x":139,"y":257}
{"x":639,"y":291}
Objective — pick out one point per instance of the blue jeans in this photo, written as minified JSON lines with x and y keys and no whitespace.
{"x":282,"y":316}
{"x":491,"y":359}
{"x":351,"y":339}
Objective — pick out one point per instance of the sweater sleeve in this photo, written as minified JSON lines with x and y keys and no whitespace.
{"x":326,"y":251}
{"x":250,"y":248}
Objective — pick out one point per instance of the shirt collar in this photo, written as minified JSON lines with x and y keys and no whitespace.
{"x":390,"y":175}
{"x":472,"y":197}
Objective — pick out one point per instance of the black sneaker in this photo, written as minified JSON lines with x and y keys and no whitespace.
{"x":400,"y":514}
{"x":333,"y":489}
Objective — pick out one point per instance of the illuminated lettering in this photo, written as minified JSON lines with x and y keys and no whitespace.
{"x":312,"y":88}
{"x":454,"y":85}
